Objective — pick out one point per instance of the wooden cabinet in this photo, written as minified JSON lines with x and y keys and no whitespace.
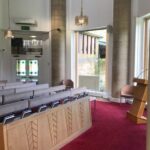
{"x":47,"y":130}
{"x":140,"y":99}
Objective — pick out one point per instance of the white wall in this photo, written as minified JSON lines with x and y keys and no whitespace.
{"x":36,"y":9}
{"x":143,"y":7}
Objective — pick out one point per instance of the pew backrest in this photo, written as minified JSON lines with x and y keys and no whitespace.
{"x":13,"y":107}
{"x":48,"y":91}
{"x":47,"y":99}
{"x":17,"y":97}
{"x":14,"y":83}
{"x":39,"y":101}
{"x":61,"y":95}
{"x":7,"y":92}
{"x":32,"y":88}
{"x":41,"y":92}
{"x":57,"y":88}
{"x":78,"y":91}
{"x":18,"y":86}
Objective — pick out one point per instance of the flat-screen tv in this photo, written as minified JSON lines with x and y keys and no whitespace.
{"x":17,"y":46}
{"x":102,"y":51}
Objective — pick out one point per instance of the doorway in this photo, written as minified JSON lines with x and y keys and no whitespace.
{"x":91,"y":59}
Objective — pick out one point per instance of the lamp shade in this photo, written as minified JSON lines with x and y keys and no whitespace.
{"x":8,"y":34}
{"x":81,"y":20}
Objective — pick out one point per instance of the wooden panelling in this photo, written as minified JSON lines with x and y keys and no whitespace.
{"x":47,"y":130}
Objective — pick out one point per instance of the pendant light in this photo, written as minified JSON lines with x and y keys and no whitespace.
{"x":8,"y":33}
{"x":81,"y":20}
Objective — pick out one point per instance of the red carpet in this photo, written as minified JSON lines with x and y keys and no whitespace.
{"x":111,"y":130}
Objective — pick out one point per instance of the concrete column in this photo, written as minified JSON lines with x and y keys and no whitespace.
{"x":121,"y":45}
{"x":58,"y":36}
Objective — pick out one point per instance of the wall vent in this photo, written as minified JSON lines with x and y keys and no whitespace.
{"x":25,"y":21}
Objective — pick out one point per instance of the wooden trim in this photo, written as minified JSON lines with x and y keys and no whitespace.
{"x":1,"y":138}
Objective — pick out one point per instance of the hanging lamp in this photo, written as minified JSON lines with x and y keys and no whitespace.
{"x":81,"y":20}
{"x":8,"y":33}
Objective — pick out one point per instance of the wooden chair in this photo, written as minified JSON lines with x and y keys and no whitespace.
{"x":126,"y":92}
{"x":68,"y":83}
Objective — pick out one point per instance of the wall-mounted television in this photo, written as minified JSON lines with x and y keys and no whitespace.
{"x":102,"y":51}
{"x":17,"y":46}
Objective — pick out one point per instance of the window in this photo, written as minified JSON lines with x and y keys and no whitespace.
{"x":27,"y":70}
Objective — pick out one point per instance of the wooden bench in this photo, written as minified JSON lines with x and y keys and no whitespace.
{"x":17,"y":97}
{"x":32,"y":88}
{"x":7,"y":92}
{"x":48,"y":91}
{"x":18,"y":86}
{"x":78,"y":91}
{"x":14,"y":83}
{"x":13,"y":107}
{"x":35,"y":102}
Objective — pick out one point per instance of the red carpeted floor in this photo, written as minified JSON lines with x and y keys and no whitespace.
{"x":111,"y":130}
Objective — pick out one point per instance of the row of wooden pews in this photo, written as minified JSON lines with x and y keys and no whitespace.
{"x":43,"y":107}
{"x":18,"y":97}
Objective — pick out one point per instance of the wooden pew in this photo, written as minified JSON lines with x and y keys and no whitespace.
{"x":35,"y":102}
{"x":56,"y":126}
{"x":17,"y":97}
{"x":77,"y":91}
{"x":4,"y":84}
{"x":31,"y":88}
{"x":12,"y":89}
{"x":14,"y":83}
{"x":13,"y":107}
{"x":69,"y":120}
{"x":48,"y":91}
{"x":7,"y":92}
{"x":57,"y":88}
{"x":18,"y":86}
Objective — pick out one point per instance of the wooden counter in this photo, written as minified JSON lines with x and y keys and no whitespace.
{"x":48,"y":130}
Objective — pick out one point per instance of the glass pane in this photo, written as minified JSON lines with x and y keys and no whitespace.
{"x":33,"y":67}
{"x":92,"y":63}
{"x":21,"y":67}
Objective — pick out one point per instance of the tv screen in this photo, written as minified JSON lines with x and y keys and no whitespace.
{"x":102,"y":51}
{"x":17,"y":46}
